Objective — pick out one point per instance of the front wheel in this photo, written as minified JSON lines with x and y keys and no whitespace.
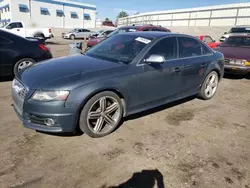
{"x":72,"y":37}
{"x":101,"y":114}
{"x":209,"y":86}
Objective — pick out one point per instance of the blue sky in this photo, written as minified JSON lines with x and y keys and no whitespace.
{"x":111,"y":8}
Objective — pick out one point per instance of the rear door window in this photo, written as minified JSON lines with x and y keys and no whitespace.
{"x":85,"y":30}
{"x":189,"y":47}
{"x":19,"y":25}
{"x":205,"y":49}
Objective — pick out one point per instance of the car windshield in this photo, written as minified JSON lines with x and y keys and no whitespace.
{"x":119,"y":48}
{"x":72,"y":31}
{"x":239,"y":30}
{"x":237,"y":41}
{"x":122,"y":30}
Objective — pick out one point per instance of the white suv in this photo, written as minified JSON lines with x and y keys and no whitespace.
{"x":242,"y":30}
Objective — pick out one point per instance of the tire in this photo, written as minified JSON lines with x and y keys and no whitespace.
{"x":40,"y":36}
{"x":18,"y":65}
{"x":92,"y":113}
{"x":208,"y":91}
{"x":72,"y":37}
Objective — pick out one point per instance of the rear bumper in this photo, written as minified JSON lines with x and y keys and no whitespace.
{"x":236,"y":69}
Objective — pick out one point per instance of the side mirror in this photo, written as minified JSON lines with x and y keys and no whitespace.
{"x":225,"y":33}
{"x":214,"y":40}
{"x":157,"y":59}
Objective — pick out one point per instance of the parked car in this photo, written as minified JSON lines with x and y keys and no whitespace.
{"x":125,"y":74}
{"x":133,"y":28}
{"x":19,"y":28}
{"x":209,"y":41}
{"x":108,"y":23}
{"x":236,"y":50}
{"x":243,"y":30}
{"x":77,"y":34}
{"x":18,"y":53}
{"x":101,"y":33}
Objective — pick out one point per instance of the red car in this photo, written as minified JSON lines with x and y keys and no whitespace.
{"x":236,"y":50}
{"x":92,"y":42}
{"x":108,"y":23}
{"x":210,"y":42}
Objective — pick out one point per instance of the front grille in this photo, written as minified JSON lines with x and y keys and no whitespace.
{"x":19,"y":93}
{"x":19,"y":89}
{"x":227,"y":61}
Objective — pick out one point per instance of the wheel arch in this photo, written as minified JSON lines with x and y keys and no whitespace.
{"x":95,"y":92}
{"x":111,"y":89}
{"x":39,"y":33}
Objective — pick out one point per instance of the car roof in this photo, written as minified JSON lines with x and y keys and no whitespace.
{"x":242,"y":26}
{"x":240,"y":35}
{"x":155,"y":34}
{"x":140,"y":26}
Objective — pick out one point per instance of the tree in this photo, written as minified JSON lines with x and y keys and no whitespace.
{"x":122,"y":14}
{"x":107,"y":19}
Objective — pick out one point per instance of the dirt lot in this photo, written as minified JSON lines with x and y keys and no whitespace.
{"x":192,"y":143}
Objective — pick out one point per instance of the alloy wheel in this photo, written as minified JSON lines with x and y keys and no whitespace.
{"x":211,"y":85}
{"x":24,"y":64}
{"x":103,"y":115}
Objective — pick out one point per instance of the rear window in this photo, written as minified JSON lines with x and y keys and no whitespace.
{"x":240,"y":30}
{"x":237,"y":41}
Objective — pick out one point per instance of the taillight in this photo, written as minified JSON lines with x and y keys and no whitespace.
{"x":43,"y":47}
{"x":49,"y":30}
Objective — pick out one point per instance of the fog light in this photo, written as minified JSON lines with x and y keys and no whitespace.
{"x":49,"y":122}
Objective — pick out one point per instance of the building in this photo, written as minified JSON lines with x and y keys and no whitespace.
{"x":48,"y":13}
{"x":222,"y":15}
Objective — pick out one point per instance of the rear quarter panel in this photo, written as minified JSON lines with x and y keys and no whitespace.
{"x":216,"y":63}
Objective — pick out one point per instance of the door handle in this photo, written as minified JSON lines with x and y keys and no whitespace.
{"x":177,"y":69}
{"x":203,"y":64}
{"x":18,"y":29}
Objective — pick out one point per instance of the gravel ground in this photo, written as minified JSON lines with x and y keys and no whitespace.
{"x":191,"y":143}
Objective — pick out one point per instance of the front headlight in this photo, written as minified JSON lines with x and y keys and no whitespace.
{"x":238,"y":62}
{"x":247,"y":63}
{"x":50,"y":95}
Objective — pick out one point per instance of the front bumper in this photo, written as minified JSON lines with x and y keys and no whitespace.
{"x":64,"y":122}
{"x":65,"y":37}
{"x":33,"y":113}
{"x":237,"y":69}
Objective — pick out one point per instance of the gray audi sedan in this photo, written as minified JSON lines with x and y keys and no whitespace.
{"x":124,"y":74}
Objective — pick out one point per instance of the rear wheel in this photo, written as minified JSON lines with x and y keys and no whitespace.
{"x":101,"y":114}
{"x":209,"y":86}
{"x":40,"y":36}
{"x":23,"y":64}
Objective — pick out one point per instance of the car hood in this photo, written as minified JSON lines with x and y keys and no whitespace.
{"x":234,"y":52}
{"x":70,"y":70}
